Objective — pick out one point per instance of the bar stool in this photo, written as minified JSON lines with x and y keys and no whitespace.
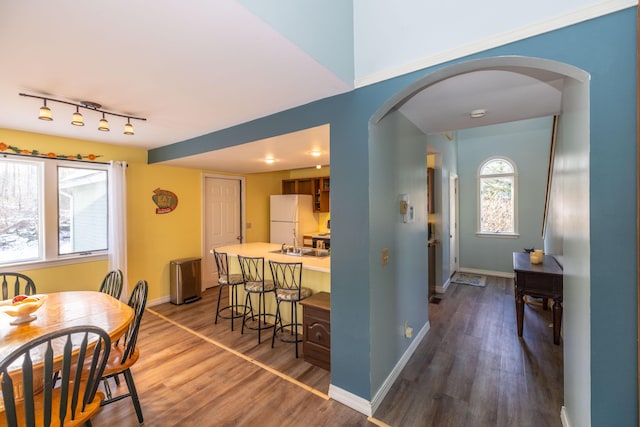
{"x":227,"y":280}
{"x":255,"y":283}
{"x":287,"y":277}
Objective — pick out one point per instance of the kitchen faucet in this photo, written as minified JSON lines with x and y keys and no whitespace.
{"x":294,"y":241}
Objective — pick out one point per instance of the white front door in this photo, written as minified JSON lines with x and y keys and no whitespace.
{"x":453,"y":224}
{"x":222,"y":220}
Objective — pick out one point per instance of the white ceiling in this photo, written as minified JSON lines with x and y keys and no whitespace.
{"x":194,"y":70}
{"x":505,"y":95}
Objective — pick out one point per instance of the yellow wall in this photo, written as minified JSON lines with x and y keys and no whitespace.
{"x":259,"y":187}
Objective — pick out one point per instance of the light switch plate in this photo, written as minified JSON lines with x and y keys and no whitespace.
{"x":385,"y":256}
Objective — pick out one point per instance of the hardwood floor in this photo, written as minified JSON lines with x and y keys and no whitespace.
{"x":473,"y":370}
{"x":470,"y":370}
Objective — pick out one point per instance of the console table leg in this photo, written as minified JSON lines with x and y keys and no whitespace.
{"x":557,"y":320}
{"x":519,"y":313}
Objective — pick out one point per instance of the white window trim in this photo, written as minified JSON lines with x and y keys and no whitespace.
{"x":510,"y":235}
{"x":49,"y":201}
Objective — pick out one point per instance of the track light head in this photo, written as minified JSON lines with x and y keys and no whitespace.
{"x":45,"y":112}
{"x":128,"y":128}
{"x":103,"y":124}
{"x":77,"y":119}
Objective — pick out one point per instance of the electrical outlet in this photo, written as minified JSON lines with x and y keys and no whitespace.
{"x":408,"y":331}
{"x":385,"y":256}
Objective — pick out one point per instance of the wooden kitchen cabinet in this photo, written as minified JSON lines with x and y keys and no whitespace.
{"x":298,"y":186}
{"x":321,"y":188}
{"x":318,"y":187}
{"x":316,"y":344}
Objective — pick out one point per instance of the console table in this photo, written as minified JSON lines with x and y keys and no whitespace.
{"x":541,"y":281}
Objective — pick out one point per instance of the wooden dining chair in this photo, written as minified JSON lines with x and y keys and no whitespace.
{"x":16,"y":284}
{"x":30,"y":394}
{"x":124,"y":352}
{"x":112,"y":284}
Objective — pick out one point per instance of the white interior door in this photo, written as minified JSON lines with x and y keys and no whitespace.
{"x":222,"y":205}
{"x":453,"y":224}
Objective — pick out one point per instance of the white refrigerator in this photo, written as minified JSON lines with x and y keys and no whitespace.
{"x":291,"y":214}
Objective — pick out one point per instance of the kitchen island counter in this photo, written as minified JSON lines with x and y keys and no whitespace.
{"x":322,"y":265}
{"x":315,"y":271}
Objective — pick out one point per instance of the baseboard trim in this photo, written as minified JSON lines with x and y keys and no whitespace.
{"x":487,"y":272}
{"x":442,"y":289}
{"x":349,"y":399}
{"x":564,"y":418}
{"x":395,"y":372}
{"x":366,"y":407}
{"x":158,"y":301}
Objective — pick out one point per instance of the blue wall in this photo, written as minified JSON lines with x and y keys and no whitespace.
{"x":604,"y":47}
{"x":527,"y":144}
{"x":397,"y":161}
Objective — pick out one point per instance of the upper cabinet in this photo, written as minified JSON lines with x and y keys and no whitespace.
{"x":297,"y":186}
{"x":318,"y":187}
{"x":321,"y":187}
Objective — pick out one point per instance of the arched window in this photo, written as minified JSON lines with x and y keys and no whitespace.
{"x":497,"y":201}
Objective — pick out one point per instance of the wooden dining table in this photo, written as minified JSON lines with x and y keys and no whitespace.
{"x":65,"y":309}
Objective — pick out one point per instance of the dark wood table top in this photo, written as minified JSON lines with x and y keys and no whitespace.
{"x":549,"y":265}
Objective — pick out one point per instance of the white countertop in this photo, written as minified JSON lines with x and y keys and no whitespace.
{"x":322,"y":265}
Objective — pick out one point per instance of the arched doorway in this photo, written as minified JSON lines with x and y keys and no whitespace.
{"x":567,"y":237}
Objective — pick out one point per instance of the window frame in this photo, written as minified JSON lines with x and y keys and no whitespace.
{"x":514,"y":175}
{"x":50,"y":256}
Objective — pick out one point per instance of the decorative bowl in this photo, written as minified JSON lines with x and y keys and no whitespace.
{"x":23,"y":312}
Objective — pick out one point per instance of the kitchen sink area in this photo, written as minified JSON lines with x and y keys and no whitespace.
{"x":303,"y":252}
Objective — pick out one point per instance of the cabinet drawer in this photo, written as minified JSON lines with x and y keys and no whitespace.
{"x":317,"y":355}
{"x":317,"y":313}
{"x":539,"y":284}
{"x":317,"y":332}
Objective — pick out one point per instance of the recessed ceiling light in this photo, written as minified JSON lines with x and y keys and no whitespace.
{"x":316,"y":153}
{"x":476,"y":114}
{"x":269,"y":160}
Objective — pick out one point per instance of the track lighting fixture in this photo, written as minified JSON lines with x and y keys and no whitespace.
{"x":78,"y":120}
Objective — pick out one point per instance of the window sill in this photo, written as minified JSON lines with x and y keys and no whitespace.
{"x":499,"y":235}
{"x":35,"y":265}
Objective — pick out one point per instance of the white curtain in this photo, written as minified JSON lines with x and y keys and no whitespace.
{"x":118,"y":222}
